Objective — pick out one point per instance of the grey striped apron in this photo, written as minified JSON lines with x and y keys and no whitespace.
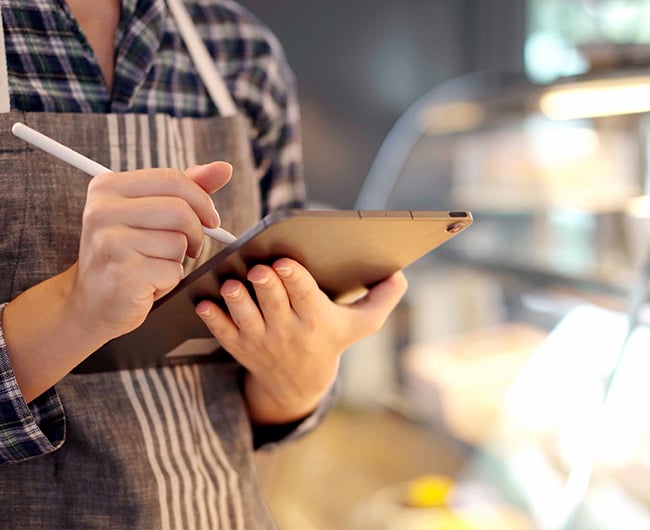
{"x":158,"y":448}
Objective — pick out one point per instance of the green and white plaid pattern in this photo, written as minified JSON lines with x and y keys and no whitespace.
{"x":52,"y":68}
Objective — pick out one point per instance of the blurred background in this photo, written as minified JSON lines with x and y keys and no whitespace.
{"x":508,"y":389}
{"x":361,"y":64}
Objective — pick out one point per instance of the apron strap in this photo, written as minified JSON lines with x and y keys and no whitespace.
{"x":4,"y":78}
{"x":210,"y":76}
{"x":204,"y":63}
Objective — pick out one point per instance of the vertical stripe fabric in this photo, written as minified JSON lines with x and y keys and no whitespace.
{"x":131,"y":138}
{"x":198,"y":486}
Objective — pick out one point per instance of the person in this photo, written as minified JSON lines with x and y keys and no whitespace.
{"x":190,"y":143}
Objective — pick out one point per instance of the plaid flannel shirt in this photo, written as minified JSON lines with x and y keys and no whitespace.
{"x":52,"y":68}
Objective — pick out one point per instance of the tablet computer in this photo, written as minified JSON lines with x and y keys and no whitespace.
{"x":346,"y":251}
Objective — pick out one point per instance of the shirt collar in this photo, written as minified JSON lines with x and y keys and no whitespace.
{"x":139,"y":35}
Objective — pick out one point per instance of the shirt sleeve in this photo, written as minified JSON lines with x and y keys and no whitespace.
{"x":268,"y":436}
{"x":26,"y":431}
{"x":278,"y":152}
{"x":265,"y":89}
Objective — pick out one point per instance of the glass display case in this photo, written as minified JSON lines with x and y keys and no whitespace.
{"x":571,"y":37}
{"x":518,"y":329}
{"x":556,"y":190}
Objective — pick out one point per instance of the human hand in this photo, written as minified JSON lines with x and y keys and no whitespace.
{"x":292,"y":339}
{"x":137,"y":229}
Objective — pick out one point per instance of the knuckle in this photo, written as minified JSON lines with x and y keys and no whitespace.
{"x":171,"y":175}
{"x":94,"y":212}
{"x":273,"y":305}
{"x":302,"y":293}
{"x":110,"y":238}
{"x":183,"y":217}
{"x":99,"y":183}
{"x":174,"y":181}
{"x":279,"y":335}
{"x":248,"y":323}
{"x":217,"y":326}
{"x":142,"y":293}
{"x":178,"y":241}
{"x":108,"y":244}
{"x":178,"y":207}
{"x":171,"y":275}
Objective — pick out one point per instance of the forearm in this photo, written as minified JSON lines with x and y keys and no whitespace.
{"x":46,"y":335}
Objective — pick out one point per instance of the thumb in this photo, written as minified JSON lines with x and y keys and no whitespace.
{"x":383,"y":297}
{"x":211,"y":177}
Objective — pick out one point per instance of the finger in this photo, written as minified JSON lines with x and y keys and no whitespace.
{"x":242,"y":308}
{"x":147,"y":213}
{"x":218,"y":323}
{"x":167,"y":274}
{"x":160,"y":244}
{"x":300,"y":285}
{"x":210,"y":177}
{"x":157,"y":183}
{"x":151,"y":278}
{"x":118,"y":241}
{"x":271,"y":295}
{"x":386,"y":293}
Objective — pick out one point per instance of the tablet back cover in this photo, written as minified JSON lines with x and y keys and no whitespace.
{"x":346,"y":251}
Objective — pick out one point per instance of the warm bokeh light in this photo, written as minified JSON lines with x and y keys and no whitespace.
{"x":597,"y":98}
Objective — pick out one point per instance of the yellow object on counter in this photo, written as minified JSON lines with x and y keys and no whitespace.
{"x":429,"y":491}
{"x":427,"y":503}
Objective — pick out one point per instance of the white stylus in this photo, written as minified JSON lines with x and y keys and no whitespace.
{"x":89,"y":166}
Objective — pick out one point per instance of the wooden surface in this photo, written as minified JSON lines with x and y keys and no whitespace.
{"x":322,"y":481}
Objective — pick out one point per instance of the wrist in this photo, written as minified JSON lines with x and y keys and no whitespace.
{"x":82,"y":320}
{"x":47,"y":335}
{"x":270,"y":404}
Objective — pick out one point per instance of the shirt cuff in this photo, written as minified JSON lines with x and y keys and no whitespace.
{"x":26,"y":431}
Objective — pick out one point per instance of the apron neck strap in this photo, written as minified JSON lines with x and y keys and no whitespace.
{"x":4,"y":78}
{"x":204,"y":64}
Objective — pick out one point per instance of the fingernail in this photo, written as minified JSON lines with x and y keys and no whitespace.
{"x":285,"y":272}
{"x":228,"y":168}
{"x":204,"y":309}
{"x":230,"y":291}
{"x":258,"y":277}
{"x":217,"y":218}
